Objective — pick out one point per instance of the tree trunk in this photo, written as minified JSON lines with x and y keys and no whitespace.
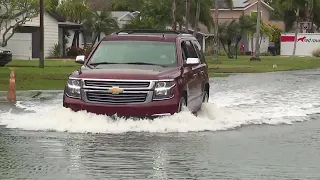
{"x":224,"y":48}
{"x":230,"y":56}
{"x":180,"y":26}
{"x":252,"y":43}
{"x":187,"y":15}
{"x":174,"y":18}
{"x":309,"y":14}
{"x":296,"y":33}
{"x":195,"y":29}
{"x":216,"y":29}
{"x":257,"y":48}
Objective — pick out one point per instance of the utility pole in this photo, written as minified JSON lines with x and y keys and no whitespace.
{"x":41,"y":62}
{"x":216,"y":29}
{"x":257,"y":48}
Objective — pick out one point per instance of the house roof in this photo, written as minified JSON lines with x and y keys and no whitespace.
{"x":236,"y":4}
{"x":121,"y":14}
{"x":240,"y":5}
{"x":57,"y":16}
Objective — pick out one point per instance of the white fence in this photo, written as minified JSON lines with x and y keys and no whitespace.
{"x":306,"y":43}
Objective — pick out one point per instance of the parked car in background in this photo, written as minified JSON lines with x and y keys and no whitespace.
{"x":140,"y":73}
{"x":5,"y":56}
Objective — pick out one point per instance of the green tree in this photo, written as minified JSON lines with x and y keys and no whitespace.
{"x":216,"y":6}
{"x":102,"y":22}
{"x":246,"y":24}
{"x":74,"y":11}
{"x":158,"y":13}
{"x":16,"y":13}
{"x":291,"y":7}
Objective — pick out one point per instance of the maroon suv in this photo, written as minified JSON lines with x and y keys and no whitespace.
{"x":140,"y":73}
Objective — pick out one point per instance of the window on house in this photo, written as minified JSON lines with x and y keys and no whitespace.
{"x":254,"y":13}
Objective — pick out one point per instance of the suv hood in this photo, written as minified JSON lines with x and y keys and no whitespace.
{"x":124,"y":71}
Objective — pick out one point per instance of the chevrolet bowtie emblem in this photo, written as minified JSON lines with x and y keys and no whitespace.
{"x":115,"y":90}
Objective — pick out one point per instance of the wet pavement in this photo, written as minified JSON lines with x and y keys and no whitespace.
{"x":256,"y":126}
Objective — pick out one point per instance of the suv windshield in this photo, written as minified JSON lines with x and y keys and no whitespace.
{"x":135,"y":52}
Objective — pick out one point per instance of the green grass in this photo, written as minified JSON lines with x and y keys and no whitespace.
{"x":243,"y":65}
{"x":30,"y":77}
{"x":53,"y":77}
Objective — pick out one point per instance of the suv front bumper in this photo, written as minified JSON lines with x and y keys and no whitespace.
{"x":151,"y":109}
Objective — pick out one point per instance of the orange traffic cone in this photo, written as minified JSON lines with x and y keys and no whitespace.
{"x":12,"y":87}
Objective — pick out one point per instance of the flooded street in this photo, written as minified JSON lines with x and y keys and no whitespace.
{"x":256,"y":126}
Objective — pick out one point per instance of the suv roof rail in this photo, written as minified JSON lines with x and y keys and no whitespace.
{"x":153,"y":31}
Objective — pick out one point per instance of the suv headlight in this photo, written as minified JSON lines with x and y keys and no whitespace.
{"x":163,"y":90}
{"x":73,"y":88}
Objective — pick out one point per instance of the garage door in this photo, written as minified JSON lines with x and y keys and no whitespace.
{"x":21,"y":45}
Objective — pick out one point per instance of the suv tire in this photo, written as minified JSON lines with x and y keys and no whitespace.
{"x":205,"y":97}
{"x":182,"y":104}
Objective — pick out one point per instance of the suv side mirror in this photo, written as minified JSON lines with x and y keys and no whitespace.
{"x":192,"y":61}
{"x":80,"y":59}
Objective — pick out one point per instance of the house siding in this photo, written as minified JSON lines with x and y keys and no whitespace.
{"x":229,"y":15}
{"x":51,"y":32}
{"x":265,"y":11}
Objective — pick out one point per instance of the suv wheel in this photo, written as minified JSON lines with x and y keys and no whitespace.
{"x":205,"y":97}
{"x":182,"y":104}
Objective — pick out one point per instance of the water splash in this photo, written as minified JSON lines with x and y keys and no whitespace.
{"x":238,"y":101}
{"x":57,"y":118}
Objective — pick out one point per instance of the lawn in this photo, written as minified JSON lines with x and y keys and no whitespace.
{"x":55,"y":73}
{"x":30,"y":77}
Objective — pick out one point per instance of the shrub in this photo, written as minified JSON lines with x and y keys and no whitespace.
{"x":75,"y":51}
{"x":209,"y":52}
{"x":316,"y":52}
{"x":56,"y":50}
{"x":87,"y":50}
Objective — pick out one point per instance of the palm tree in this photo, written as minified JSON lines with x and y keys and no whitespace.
{"x":195,"y":29}
{"x":101,"y":22}
{"x":216,"y":23}
{"x":74,"y":11}
{"x":257,"y":48}
{"x":174,"y":16}
{"x":187,"y":15}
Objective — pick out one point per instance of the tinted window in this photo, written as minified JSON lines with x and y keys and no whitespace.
{"x":199,"y":51}
{"x":184,"y":51}
{"x":159,"y":53}
{"x":190,"y":50}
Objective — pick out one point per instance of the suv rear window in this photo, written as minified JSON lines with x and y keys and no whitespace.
{"x":122,"y":52}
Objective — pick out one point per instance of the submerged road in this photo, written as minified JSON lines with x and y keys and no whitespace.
{"x":256,"y":126}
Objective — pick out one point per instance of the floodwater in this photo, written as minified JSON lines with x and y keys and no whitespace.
{"x":256,"y":126}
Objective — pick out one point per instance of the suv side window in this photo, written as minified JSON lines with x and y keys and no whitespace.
{"x":192,"y":53}
{"x":199,"y":51}
{"x":184,"y":52}
{"x":188,"y":51}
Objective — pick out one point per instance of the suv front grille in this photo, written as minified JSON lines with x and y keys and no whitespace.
{"x":120,"y":84}
{"x":109,"y":98}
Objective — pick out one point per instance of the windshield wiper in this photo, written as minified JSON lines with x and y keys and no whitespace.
{"x":138,"y":63}
{"x":143,"y":63}
{"x":98,"y":63}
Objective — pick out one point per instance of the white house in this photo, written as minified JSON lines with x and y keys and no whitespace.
{"x":25,"y":43}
